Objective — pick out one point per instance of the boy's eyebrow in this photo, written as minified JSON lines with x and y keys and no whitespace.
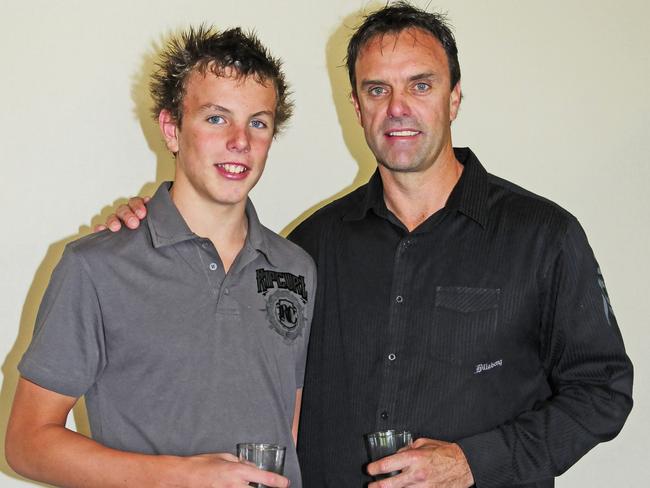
{"x":264,"y":112}
{"x":220,"y":108}
{"x":213,"y":106}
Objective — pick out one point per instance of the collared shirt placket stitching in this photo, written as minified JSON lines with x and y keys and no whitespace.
{"x":212,"y":268}
{"x":398,"y":321}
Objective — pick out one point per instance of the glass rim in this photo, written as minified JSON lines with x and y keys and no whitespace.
{"x":263,"y":446}
{"x":388,"y":433}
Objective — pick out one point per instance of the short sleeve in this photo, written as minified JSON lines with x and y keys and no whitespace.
{"x":301,"y":358}
{"x":67,"y":352}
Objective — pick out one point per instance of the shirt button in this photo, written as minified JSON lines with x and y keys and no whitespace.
{"x":384,"y":415}
{"x":204,"y":245}
{"x":213,"y":266}
{"x":391,"y":357}
{"x":399,"y":299}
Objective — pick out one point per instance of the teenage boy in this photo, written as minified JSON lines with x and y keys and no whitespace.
{"x":188,"y":335}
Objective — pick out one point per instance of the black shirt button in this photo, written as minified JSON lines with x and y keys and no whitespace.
{"x":384,"y":415}
{"x":399,"y":299}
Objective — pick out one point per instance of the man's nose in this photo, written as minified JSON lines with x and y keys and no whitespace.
{"x":398,"y":105}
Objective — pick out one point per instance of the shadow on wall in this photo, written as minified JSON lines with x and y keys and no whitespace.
{"x":26,"y":327}
{"x":164,"y":171}
{"x":142,"y":107}
{"x":335,"y":52}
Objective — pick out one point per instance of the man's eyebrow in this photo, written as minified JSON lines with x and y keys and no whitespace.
{"x":424,"y":76}
{"x":372,"y":82}
{"x":418,"y":76}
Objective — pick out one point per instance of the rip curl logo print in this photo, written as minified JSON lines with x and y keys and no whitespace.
{"x":286,"y":295}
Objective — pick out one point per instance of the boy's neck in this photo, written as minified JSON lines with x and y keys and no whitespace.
{"x":225,"y":225}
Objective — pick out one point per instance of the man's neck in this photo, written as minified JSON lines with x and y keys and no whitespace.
{"x":413,"y":197}
{"x":225,"y":225}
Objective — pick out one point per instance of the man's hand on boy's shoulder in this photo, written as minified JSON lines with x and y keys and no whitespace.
{"x":129,"y":214}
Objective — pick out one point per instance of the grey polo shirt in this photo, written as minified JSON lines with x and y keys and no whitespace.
{"x":173,"y":355}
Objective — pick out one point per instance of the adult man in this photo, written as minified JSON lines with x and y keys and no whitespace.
{"x":451,"y":303}
{"x":189,"y":335}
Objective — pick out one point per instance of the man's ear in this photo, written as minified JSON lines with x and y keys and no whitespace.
{"x":357,"y":108}
{"x":169,"y":129}
{"x":454,"y":101}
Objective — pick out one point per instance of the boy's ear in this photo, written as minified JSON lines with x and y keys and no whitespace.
{"x":169,"y":129}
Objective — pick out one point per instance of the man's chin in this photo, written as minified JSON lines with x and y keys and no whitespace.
{"x":399,"y":166}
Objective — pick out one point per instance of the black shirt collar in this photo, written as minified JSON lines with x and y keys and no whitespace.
{"x":469,"y":196}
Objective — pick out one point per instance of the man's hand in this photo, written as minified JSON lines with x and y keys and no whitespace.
{"x":426,"y":464}
{"x":130,"y":214}
{"x":223,"y":471}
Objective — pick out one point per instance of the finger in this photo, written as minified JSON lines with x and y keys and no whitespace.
{"x":113,"y":223}
{"x":388,"y":464}
{"x":423,"y":441}
{"x":406,"y":447}
{"x":146,"y":199}
{"x":137,"y":207}
{"x":267,"y":478}
{"x":398,"y":481}
{"x":125,"y":214}
{"x":247,"y":462}
{"x":99,"y":228}
{"x":226,"y":456}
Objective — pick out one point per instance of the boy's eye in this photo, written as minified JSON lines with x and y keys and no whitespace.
{"x":215,"y":119}
{"x":258,"y":124}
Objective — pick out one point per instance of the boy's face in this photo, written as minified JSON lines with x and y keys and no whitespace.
{"x":226,"y":133}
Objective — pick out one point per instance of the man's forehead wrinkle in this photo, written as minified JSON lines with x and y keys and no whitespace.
{"x":417,"y":35}
{"x":413,"y":33}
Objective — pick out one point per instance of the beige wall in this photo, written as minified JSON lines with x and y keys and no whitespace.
{"x":556,"y":100}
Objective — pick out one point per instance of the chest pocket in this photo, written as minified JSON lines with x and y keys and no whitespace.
{"x":465,"y":322}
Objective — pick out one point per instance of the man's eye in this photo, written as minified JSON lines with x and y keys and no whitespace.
{"x":377,"y":90}
{"x":258,"y":124}
{"x":216,"y":119}
{"x":421,"y":87}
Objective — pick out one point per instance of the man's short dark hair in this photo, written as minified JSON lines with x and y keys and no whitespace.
{"x":395,"y":18}
{"x":222,"y":53}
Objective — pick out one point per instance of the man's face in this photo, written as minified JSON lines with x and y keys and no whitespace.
{"x":404,"y":100}
{"x":222,"y":145}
